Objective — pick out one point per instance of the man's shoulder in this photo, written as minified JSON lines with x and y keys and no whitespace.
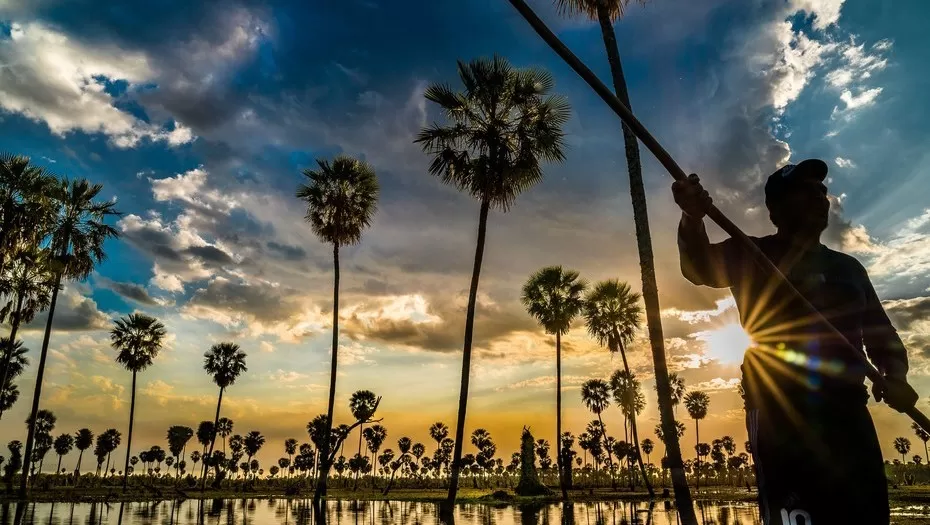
{"x":843,"y":260}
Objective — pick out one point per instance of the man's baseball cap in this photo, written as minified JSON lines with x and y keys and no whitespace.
{"x":789,"y":175}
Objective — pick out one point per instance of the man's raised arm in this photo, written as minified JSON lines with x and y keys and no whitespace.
{"x":702,"y":263}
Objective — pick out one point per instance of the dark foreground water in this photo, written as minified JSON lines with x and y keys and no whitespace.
{"x":271,"y":511}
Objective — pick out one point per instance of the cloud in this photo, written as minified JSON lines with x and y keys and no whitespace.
{"x":844,"y":163}
{"x":53,"y":78}
{"x":191,"y":188}
{"x":902,"y":261}
{"x":908,"y":313}
{"x":716,"y":384}
{"x":132,"y":291}
{"x":256,"y":308}
{"x":800,"y":55}
{"x":853,"y":102}
{"x":73,"y":313}
{"x":824,"y":12}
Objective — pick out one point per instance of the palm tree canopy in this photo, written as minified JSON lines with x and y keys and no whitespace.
{"x":438,"y":431}
{"x":554,"y":297}
{"x":24,"y":202}
{"x":677,"y":386}
{"x":375,"y":436}
{"x":224,"y":426}
{"x":79,"y":229}
{"x":83,"y":439}
{"x":614,"y":9}
{"x":612,"y":314}
{"x":205,"y":432}
{"x":27,"y":278}
{"x":177,"y":438}
{"x":224,"y":362}
{"x":137,"y":339}
{"x":17,"y":357}
{"x":920,"y":432}
{"x":63,"y":444}
{"x":627,"y":392}
{"x":290,"y":446}
{"x":499,"y":127}
{"x":341,"y":197}
{"x":902,"y":445}
{"x":697,"y":403}
{"x":45,"y":421}
{"x":362,"y":404}
{"x":253,"y":442}
{"x":595,"y":394}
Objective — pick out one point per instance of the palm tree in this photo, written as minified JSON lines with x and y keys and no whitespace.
{"x":14,"y":363}
{"x":923,"y":436}
{"x":553,"y":297}
{"x":341,"y":199}
{"x":77,"y":234}
{"x":612,"y":315}
{"x":137,"y":339}
{"x":204,"y":435}
{"x":903,"y":446}
{"x":499,"y":128}
{"x":224,"y":428}
{"x":177,"y":438}
{"x":595,"y":394}
{"x":224,"y":362}
{"x":647,"y":446}
{"x":438,"y":431}
{"x":254,"y":441}
{"x":63,"y":445}
{"x":25,"y":205}
{"x":606,"y":12}
{"x":83,"y":439}
{"x":290,"y":448}
{"x":697,"y":403}
{"x":629,"y":397}
{"x":26,"y":281}
{"x":375,"y":436}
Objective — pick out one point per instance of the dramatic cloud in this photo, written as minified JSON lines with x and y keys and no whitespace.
{"x":907,"y":313}
{"x":73,"y":313}
{"x":132,"y":291}
{"x":53,"y":78}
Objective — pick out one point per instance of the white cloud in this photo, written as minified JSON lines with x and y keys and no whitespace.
{"x":799,"y":55}
{"x":844,"y":163}
{"x":826,"y":12}
{"x":190,"y":187}
{"x":717,"y":383}
{"x":51,"y":78}
{"x":853,"y":102}
{"x":266,"y":347}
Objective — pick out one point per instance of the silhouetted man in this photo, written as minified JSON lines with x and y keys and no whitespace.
{"x":813,"y":442}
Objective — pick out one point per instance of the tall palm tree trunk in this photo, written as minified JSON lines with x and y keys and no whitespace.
{"x":37,"y":394}
{"x":639,"y":457}
{"x":697,"y":453}
{"x":58,"y":469}
{"x":216,"y":421}
{"x":466,"y":354}
{"x":77,"y":469}
{"x":558,"y":414}
{"x":11,"y":345}
{"x":132,"y":413}
{"x":359,"y":453}
{"x":326,"y":461}
{"x":650,"y":287}
{"x":927,"y":454}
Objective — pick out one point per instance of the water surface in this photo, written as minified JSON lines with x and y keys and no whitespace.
{"x":299,"y":512}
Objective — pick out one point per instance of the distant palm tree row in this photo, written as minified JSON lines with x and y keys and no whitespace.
{"x":411,"y":464}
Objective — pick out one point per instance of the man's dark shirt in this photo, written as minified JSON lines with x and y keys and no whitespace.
{"x":794,"y":359}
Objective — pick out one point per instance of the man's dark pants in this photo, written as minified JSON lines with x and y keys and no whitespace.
{"x":823,"y":461}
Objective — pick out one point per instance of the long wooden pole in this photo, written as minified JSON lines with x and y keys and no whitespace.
{"x":715,"y":214}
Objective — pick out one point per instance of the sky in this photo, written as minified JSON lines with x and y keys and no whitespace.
{"x":198,"y":117}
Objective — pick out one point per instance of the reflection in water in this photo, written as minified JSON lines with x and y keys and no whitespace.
{"x":301,"y":512}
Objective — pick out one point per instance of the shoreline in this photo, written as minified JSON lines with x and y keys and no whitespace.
{"x":493,"y":497}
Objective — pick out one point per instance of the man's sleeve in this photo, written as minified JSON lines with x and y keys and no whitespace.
{"x":704,"y":263}
{"x":882,"y":343}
